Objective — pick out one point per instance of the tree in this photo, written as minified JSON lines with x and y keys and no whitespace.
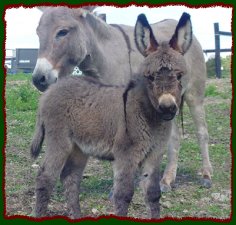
{"x":225,"y":65}
{"x":210,"y":65}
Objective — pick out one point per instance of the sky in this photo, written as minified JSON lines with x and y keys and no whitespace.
{"x":21,"y":23}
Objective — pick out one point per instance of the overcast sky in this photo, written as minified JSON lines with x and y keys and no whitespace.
{"x":22,"y":22}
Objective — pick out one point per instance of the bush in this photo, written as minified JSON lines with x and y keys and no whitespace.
{"x":22,"y":97}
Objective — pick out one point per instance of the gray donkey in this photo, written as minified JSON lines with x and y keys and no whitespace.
{"x":73,"y":36}
{"x":81,"y":117}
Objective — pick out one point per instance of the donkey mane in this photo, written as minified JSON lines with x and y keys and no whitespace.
{"x":129,"y":87}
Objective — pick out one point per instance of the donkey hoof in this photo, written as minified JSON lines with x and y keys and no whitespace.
{"x":165,"y":188}
{"x":206,"y":183}
{"x":33,"y":214}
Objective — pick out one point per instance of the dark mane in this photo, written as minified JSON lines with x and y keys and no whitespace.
{"x":130,"y":86}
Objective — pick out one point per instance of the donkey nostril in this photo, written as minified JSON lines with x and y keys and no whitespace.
{"x":163,"y":108}
{"x":42,"y":79}
{"x":168,"y":109}
{"x":173,"y":108}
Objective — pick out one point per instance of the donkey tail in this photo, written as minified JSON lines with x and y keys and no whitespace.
{"x":38,"y":138}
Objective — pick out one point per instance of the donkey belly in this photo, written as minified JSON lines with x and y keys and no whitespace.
{"x":98,"y":149}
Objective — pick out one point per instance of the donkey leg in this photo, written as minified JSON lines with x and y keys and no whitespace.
{"x":150,"y":183}
{"x":198,"y":113}
{"x":172,"y":157}
{"x":55,"y":159}
{"x":71,"y":177}
{"x":124,"y":173}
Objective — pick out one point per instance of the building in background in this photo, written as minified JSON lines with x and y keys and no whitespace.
{"x":21,"y":60}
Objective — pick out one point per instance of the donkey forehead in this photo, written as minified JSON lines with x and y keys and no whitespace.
{"x":63,"y":11}
{"x":165,"y":57}
{"x":57,"y":16}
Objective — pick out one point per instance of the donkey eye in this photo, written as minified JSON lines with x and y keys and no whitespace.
{"x":62,"y":33}
{"x":150,"y":77}
{"x":179,"y":76}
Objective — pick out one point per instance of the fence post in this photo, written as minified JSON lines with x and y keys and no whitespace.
{"x":217,"y":51}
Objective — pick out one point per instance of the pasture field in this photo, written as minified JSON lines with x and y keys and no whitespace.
{"x":187,"y":199}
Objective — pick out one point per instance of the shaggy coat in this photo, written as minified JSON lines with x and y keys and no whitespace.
{"x":72,"y":37}
{"x":81,"y":117}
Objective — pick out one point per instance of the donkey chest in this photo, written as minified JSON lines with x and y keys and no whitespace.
{"x":160,"y":137}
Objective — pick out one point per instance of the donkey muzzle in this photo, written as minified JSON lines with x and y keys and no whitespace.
{"x":44,"y":75}
{"x":39,"y":82}
{"x":167,"y":107}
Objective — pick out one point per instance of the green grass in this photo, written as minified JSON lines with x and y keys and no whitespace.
{"x":211,"y":90}
{"x":215,"y":89}
{"x":21,"y":97}
{"x":19,"y":77}
{"x":188,"y":198}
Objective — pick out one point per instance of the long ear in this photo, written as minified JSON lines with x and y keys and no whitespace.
{"x":89,"y":8}
{"x":102,"y":16}
{"x":144,"y":37}
{"x":83,"y":11}
{"x":42,"y":8}
{"x":182,"y":38}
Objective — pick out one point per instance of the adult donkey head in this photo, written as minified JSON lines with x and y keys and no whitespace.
{"x":164,"y":65}
{"x":60,"y":30}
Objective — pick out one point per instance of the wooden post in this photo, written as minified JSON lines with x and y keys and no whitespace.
{"x":217,"y":51}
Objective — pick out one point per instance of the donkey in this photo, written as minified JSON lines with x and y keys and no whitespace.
{"x":81,"y":117}
{"x":75,"y":37}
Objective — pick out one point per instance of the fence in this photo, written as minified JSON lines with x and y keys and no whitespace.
{"x":217,"y":49}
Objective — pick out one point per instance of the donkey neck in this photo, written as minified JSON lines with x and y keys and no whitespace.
{"x":100,"y":29}
{"x":105,"y":51}
{"x":136,"y":98}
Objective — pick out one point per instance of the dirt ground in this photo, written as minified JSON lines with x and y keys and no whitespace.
{"x":187,"y":199}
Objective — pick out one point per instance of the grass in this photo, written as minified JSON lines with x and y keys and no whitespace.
{"x":22,"y":97}
{"x":188,"y":198}
{"x":214,"y":89}
{"x":19,"y":77}
{"x":211,"y":90}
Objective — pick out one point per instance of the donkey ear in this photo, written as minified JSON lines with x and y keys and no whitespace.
{"x":42,"y":8}
{"x":89,"y":8}
{"x":144,"y":37}
{"x":83,"y":11}
{"x":182,"y":38}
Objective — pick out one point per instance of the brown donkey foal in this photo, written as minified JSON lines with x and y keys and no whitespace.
{"x":80,"y":117}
